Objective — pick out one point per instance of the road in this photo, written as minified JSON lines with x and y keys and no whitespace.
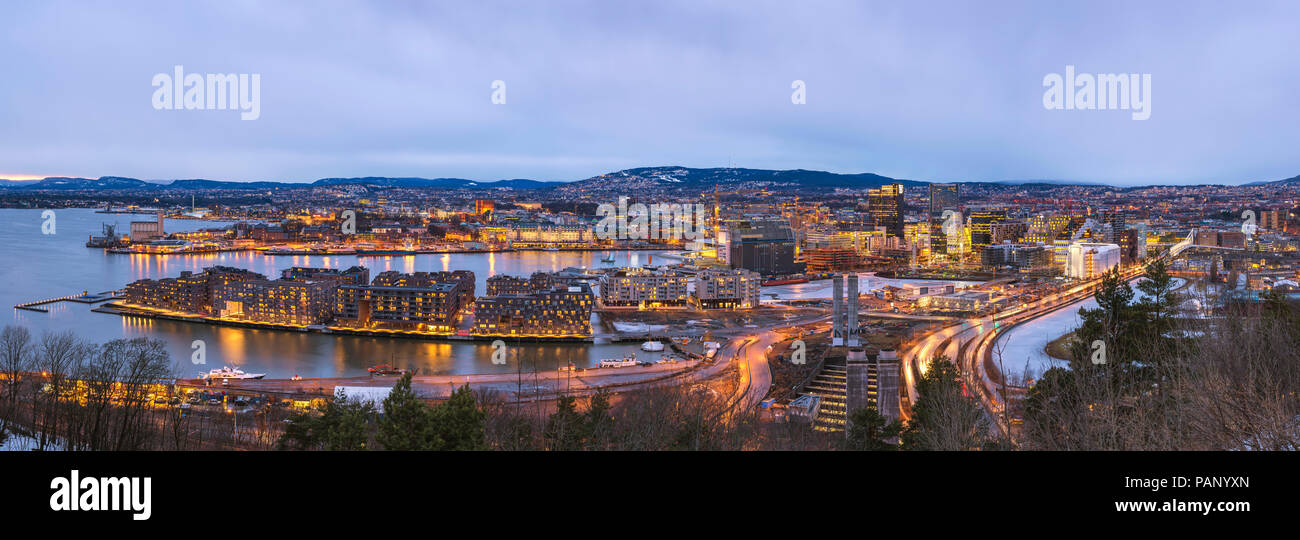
{"x":970,"y":342}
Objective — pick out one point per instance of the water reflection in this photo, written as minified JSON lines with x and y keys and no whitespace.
{"x":58,"y":265}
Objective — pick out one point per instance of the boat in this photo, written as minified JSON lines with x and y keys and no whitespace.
{"x":386,"y":369}
{"x":230,"y":373}
{"x":653,"y":346}
{"x":626,"y":361}
{"x":609,"y":259}
{"x":776,"y":282}
{"x":551,"y":249}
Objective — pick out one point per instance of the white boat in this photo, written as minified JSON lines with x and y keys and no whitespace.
{"x":653,"y":346}
{"x":609,"y":259}
{"x":230,"y":373}
{"x":626,"y":361}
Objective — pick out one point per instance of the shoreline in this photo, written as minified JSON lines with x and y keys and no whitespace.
{"x":114,"y":308}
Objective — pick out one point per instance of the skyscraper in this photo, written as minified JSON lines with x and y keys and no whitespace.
{"x":886,"y":207}
{"x":944,"y":197}
{"x":981,"y":227}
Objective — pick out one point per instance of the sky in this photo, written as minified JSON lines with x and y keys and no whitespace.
{"x":923,"y":90}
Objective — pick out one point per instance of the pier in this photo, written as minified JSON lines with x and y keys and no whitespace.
{"x":84,"y":298}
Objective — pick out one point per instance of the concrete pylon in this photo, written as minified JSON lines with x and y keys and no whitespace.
{"x":851,"y":319}
{"x":837,"y":314}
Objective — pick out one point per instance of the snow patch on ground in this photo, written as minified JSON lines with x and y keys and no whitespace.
{"x":635,"y":327}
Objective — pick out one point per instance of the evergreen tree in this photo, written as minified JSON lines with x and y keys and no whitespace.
{"x":868,"y":430}
{"x":459,"y":423}
{"x":943,"y":417}
{"x":344,"y":425}
{"x":407,"y":423}
{"x":599,"y":422}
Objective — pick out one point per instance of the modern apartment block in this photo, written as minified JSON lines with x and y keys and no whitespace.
{"x":280,"y":301}
{"x":190,"y":293}
{"x":503,"y":284}
{"x":425,"y":301}
{"x":735,"y":289}
{"x":356,"y":275}
{"x":556,"y":312}
{"x":644,"y":288}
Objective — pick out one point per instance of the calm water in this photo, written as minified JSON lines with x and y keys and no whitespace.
{"x":39,"y":266}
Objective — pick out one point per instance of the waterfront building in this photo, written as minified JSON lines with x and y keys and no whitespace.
{"x":299,"y":303}
{"x":734,"y":289}
{"x":191,"y":293}
{"x":644,"y":288}
{"x":504,"y":284}
{"x":425,"y":301}
{"x":549,"y":235}
{"x":356,"y":275}
{"x":556,"y":312}
{"x":768,"y":247}
{"x":1088,"y":260}
{"x":146,"y":231}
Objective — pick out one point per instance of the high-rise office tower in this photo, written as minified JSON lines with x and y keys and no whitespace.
{"x":943,"y":197}
{"x":981,"y":227}
{"x":1117,"y":220}
{"x":886,"y":207}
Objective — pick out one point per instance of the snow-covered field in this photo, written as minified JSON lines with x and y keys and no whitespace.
{"x":638,"y":328}
{"x":1026,"y":344}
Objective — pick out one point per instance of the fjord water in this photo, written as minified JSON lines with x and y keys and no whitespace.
{"x":38,"y":266}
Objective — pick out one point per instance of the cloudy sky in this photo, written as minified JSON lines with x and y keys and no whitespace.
{"x":919,"y":90}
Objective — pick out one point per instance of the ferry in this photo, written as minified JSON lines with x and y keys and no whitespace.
{"x":653,"y":346}
{"x":230,"y":373}
{"x":626,"y":361}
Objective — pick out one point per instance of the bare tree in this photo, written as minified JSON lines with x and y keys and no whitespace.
{"x":15,"y":362}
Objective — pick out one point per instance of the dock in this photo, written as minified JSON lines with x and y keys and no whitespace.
{"x":84,"y":298}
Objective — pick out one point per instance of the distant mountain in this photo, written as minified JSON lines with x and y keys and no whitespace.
{"x":103,"y":182}
{"x":626,"y":181}
{"x":226,"y":184}
{"x":452,"y":183}
{"x":397,"y":182}
{"x":1289,"y":181}
{"x":686,"y":177}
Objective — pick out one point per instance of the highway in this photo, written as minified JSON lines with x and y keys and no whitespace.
{"x":969,"y":343}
